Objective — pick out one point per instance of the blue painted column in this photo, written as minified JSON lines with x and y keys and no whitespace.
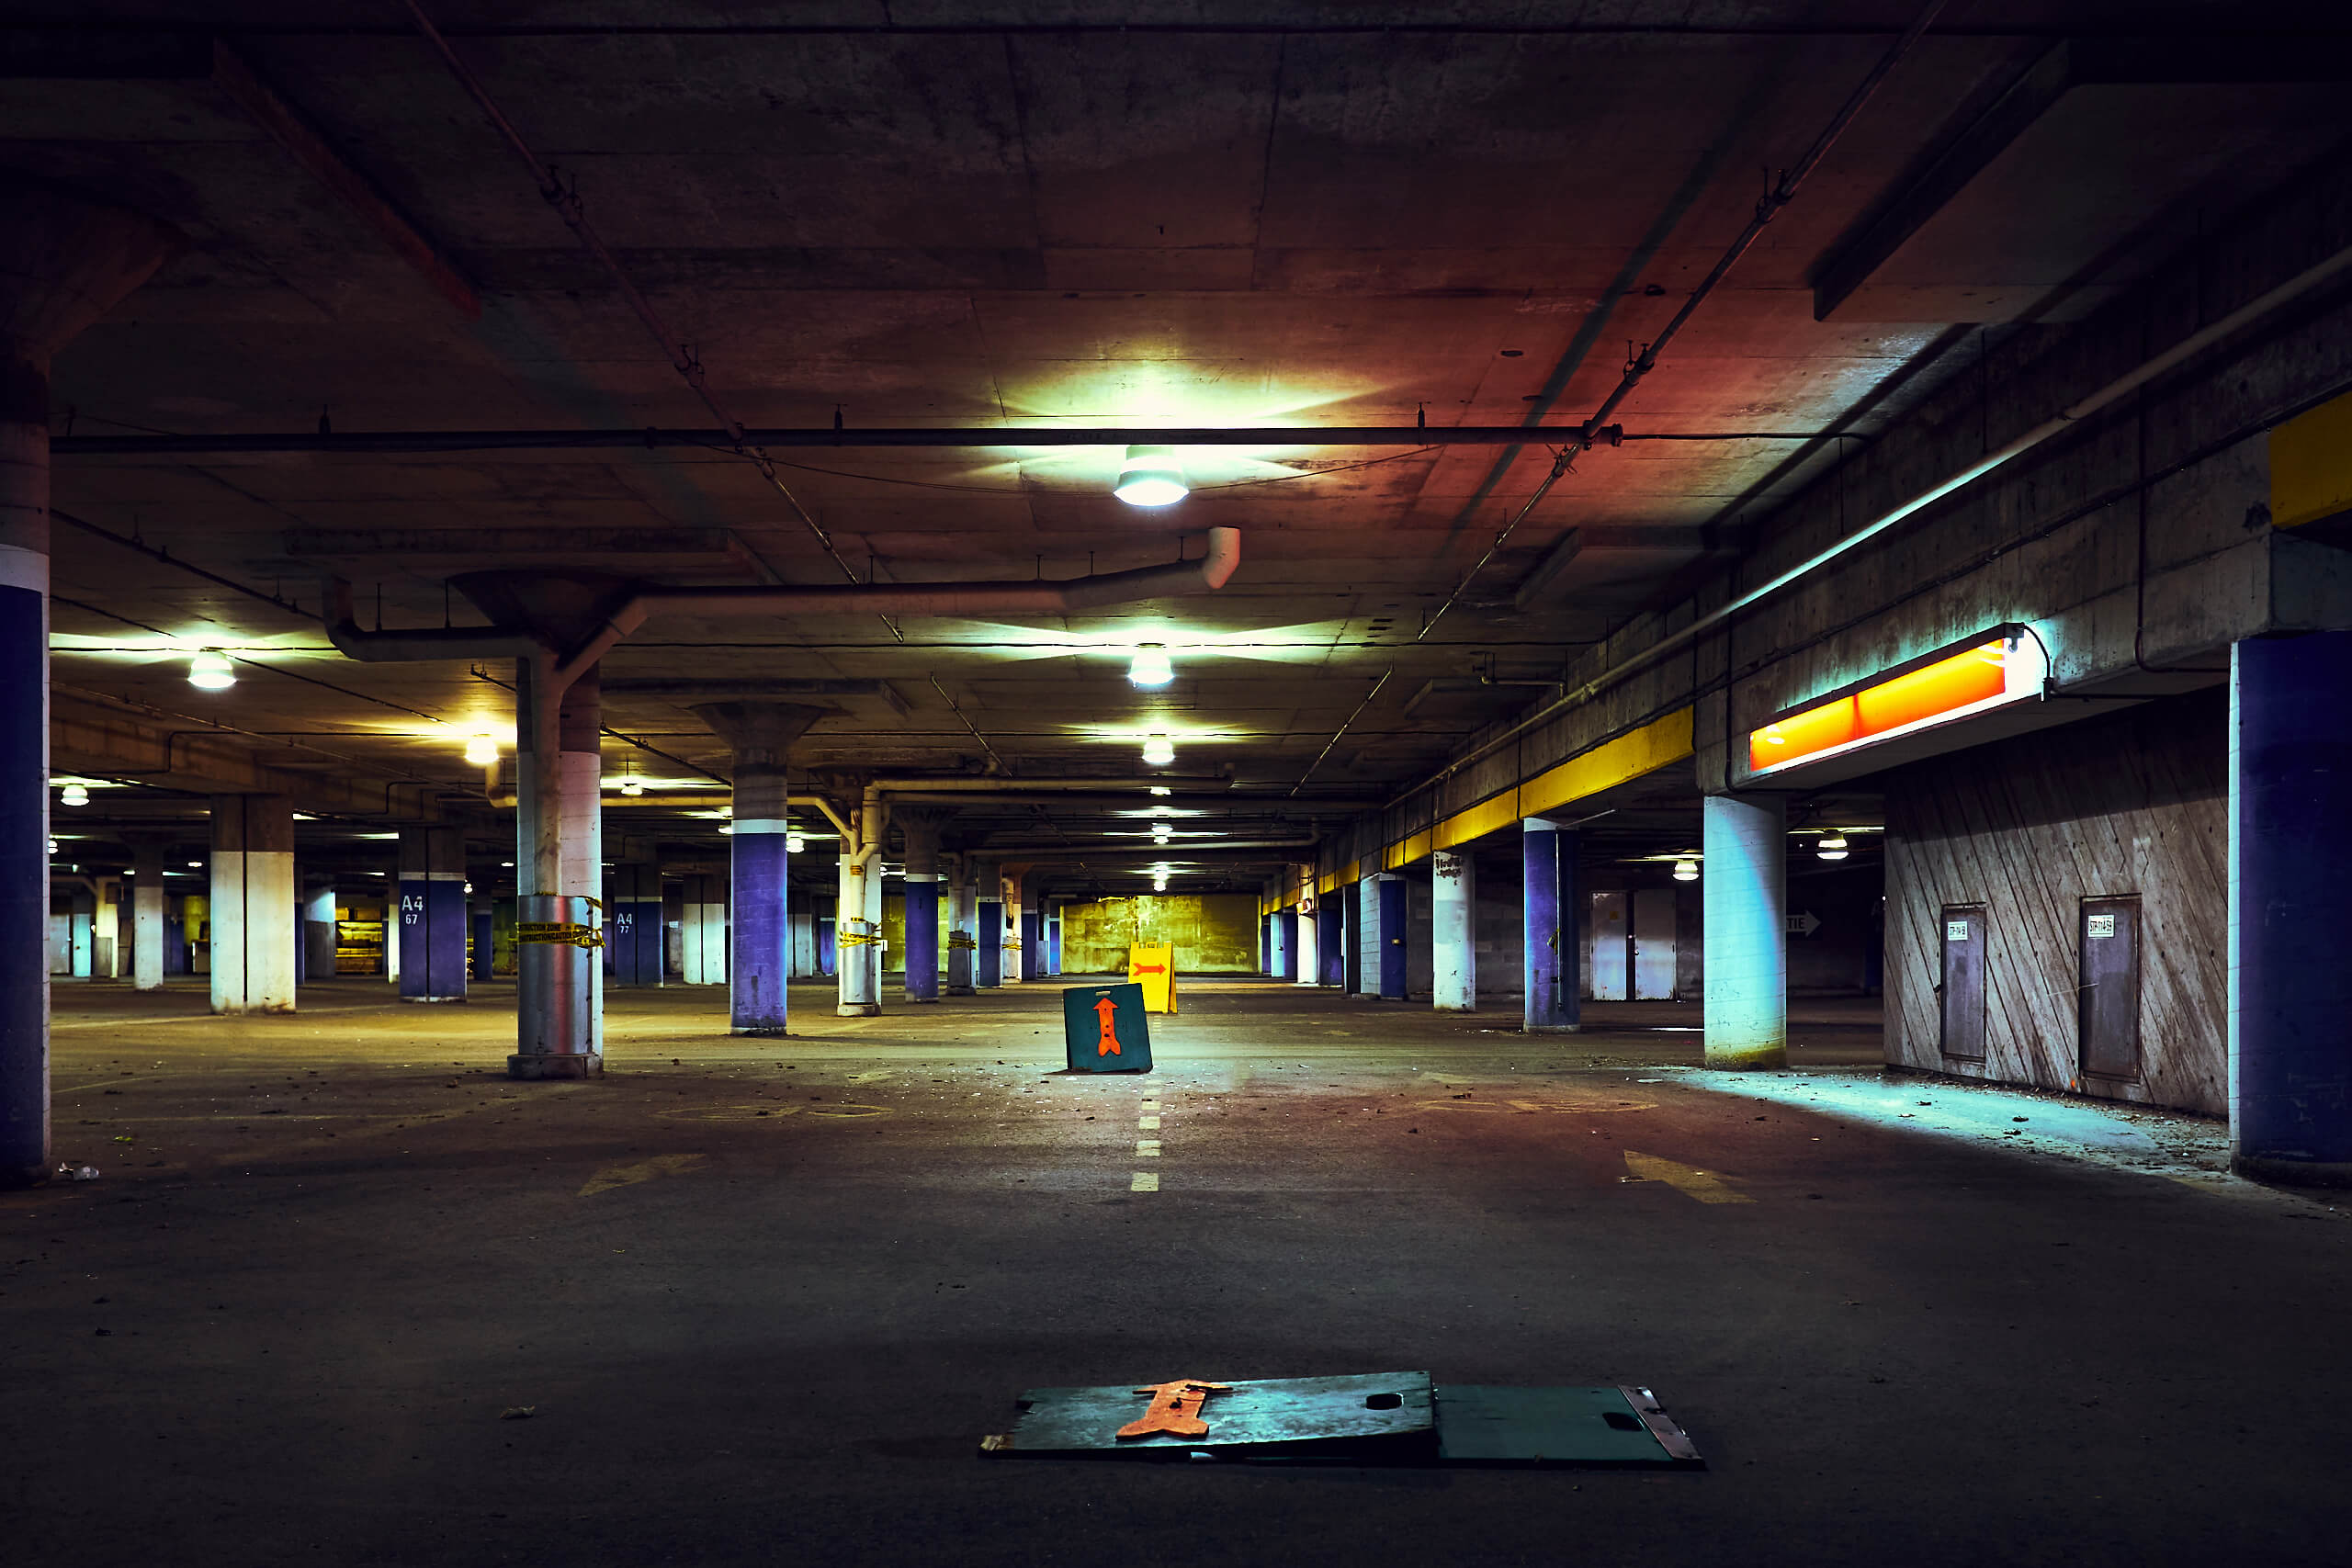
{"x":634,"y":915}
{"x":1392,"y":938}
{"x":2290,"y":850}
{"x":1745,"y":839}
{"x":1352,"y":942}
{"x":432,"y":912}
{"x":63,"y":261}
{"x":1054,"y":942}
{"x":987,"y":958}
{"x":827,"y":944}
{"x":1553,"y":1003}
{"x":1033,"y":947}
{"x":760,"y":926}
{"x":920,"y":825}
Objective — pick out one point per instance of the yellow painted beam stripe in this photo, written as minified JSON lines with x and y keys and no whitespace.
{"x":2311,"y":464}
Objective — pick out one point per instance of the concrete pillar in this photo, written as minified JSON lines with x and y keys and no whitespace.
{"x":1369,"y":945}
{"x":318,"y":934}
{"x":1309,"y":957}
{"x":432,"y":915}
{"x":803,"y":939}
{"x":483,"y":955}
{"x":857,"y":967}
{"x":252,"y":903}
{"x":988,"y":954}
{"x":105,"y":929}
{"x":559,"y":868}
{"x":759,"y":861}
{"x":1554,"y":1001}
{"x":2291,"y":843}
{"x":1745,"y":839}
{"x":63,"y":261}
{"x":963,"y":927}
{"x":1009,"y":971}
{"x":1330,"y":939}
{"x":147,"y":917}
{"x":633,"y":914}
{"x":921,"y":824}
{"x":702,"y":925}
{"x":1054,"y":941}
{"x":828,"y":942}
{"x":1453,"y":918}
{"x":1031,"y":962}
{"x":1349,"y":901}
{"x":1280,"y":924}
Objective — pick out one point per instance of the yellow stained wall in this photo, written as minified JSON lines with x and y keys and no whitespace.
{"x":894,"y":931}
{"x":1214,"y":933}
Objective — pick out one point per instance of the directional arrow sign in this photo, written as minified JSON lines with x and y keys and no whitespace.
{"x":1104,"y":1009}
{"x":1803,"y":923}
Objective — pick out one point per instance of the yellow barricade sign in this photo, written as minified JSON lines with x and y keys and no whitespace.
{"x":1154,"y":968}
{"x":565,"y":932}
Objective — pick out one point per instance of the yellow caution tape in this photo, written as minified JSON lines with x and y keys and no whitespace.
{"x":853,"y":939}
{"x":958,"y":941}
{"x":561,"y":932}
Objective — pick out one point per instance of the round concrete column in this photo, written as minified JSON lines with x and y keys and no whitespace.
{"x":759,"y":861}
{"x":1746,"y":859}
{"x":963,"y":921}
{"x":63,"y":261}
{"x":922,"y":824}
{"x":1453,"y":912}
{"x":857,"y":917}
{"x":559,"y":868}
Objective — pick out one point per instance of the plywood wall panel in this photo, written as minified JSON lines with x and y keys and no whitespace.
{"x":2133,"y":803}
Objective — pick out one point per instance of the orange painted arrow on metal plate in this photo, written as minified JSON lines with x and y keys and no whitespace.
{"x":1109,"y":1047}
{"x":1175,"y":1408}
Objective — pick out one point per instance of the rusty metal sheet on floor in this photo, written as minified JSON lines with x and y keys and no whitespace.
{"x":1363,"y":1412}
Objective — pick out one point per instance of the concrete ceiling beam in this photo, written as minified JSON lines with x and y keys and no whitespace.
{"x":86,"y":737}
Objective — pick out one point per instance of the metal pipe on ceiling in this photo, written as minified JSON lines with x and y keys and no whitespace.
{"x":2307,"y":281}
{"x":979,"y":438}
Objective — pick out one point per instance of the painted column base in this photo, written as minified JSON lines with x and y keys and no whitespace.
{"x":759,"y":1030}
{"x":959,"y":991}
{"x":433,"y":998}
{"x":570,"y":1065}
{"x":856,"y":1009}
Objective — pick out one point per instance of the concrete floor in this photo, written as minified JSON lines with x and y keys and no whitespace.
{"x":762,"y":1296}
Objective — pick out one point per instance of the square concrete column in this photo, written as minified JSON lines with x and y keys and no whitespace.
{"x":633,"y":914}
{"x":319,"y":934}
{"x":1011,"y":971}
{"x":147,"y":917}
{"x":481,"y":957}
{"x":432,"y":915}
{"x":1453,"y":912}
{"x":1330,"y":939}
{"x":963,"y":927}
{"x":1308,"y":959}
{"x":1746,"y":930}
{"x":1371,"y":935}
{"x":1552,"y":958}
{"x":703,"y":929}
{"x":2290,"y":849}
{"x":251,"y":905}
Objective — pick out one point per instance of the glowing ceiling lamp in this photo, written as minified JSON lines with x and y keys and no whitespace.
{"x":1162,"y":789}
{"x":74,"y":794}
{"x":1686,"y":870}
{"x":1161,"y":833}
{"x":482,"y":751}
{"x":211,"y":669}
{"x":1160,"y":882}
{"x":1992,"y":669}
{"x":632,"y":785}
{"x":1831,"y":847}
{"x":1151,"y":477}
{"x":1150,"y":667}
{"x":1159,"y":750}
{"x":794,"y":843}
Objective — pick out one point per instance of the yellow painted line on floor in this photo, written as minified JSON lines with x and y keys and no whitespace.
{"x":868,"y":1077}
{"x":1147,"y":1123}
{"x":1683,"y":1179}
{"x":614,"y":1175}
{"x":1146,"y":1148}
{"x":1150,"y":1105}
{"x":1144,"y":1181}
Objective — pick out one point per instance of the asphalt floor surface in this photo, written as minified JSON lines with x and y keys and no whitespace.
{"x":761,"y":1298}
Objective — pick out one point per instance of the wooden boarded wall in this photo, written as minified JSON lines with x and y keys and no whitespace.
{"x":2133,"y":803}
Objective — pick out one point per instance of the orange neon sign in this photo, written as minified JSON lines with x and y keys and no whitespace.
{"x":1972,"y":678}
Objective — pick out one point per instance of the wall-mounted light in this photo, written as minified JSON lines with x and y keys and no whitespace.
{"x":1159,"y":750}
{"x":482,"y":751}
{"x":1686,"y":870}
{"x":1831,"y":847}
{"x":1150,"y":477}
{"x":211,"y":669}
{"x":74,"y":794}
{"x":53,"y":846}
{"x":1149,"y":667}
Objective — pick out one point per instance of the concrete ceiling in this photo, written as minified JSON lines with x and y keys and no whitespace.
{"x":951,"y":214}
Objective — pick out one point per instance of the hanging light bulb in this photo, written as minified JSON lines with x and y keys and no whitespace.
{"x":211,"y":669}
{"x":74,"y":794}
{"x":1150,"y":477}
{"x":482,"y":751}
{"x":1162,"y":789}
{"x":1832,"y":847}
{"x":1686,"y":870}
{"x":632,"y":785}
{"x":1159,"y":750}
{"x":794,"y":843}
{"x":1149,"y":667}
{"x":1159,"y":883}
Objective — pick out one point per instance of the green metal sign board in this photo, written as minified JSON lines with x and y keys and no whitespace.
{"x":1105,"y":1029}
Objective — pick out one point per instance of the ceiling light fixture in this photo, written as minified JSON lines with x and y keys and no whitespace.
{"x":1159,"y":884}
{"x":211,"y":669}
{"x":1149,"y":667}
{"x":1832,"y":847}
{"x":74,"y":794}
{"x":1159,"y":750}
{"x":1162,"y":789}
{"x":632,"y":785}
{"x":482,"y":751}
{"x":1686,"y":870}
{"x":1150,"y":477}
{"x":794,"y":843}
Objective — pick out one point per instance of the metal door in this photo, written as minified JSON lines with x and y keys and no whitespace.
{"x":1964,"y":983}
{"x":1607,"y":968}
{"x":2108,"y":1000}
{"x":1653,"y":944}
{"x":1391,"y":940}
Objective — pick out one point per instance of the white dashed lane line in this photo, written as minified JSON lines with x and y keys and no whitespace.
{"x":1146,"y":1148}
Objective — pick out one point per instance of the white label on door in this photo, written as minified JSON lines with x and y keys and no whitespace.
{"x":1955,"y":931}
{"x":2102,"y":925}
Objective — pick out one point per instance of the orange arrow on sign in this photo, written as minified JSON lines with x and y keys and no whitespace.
{"x":1148,"y":969}
{"x":1104,"y":1009}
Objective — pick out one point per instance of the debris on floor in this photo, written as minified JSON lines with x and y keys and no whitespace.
{"x":1403,"y":1419}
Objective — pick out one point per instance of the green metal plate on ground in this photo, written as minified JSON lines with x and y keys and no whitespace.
{"x":1105,"y":1029}
{"x":1576,"y":1427}
{"x":1365,"y":1413}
